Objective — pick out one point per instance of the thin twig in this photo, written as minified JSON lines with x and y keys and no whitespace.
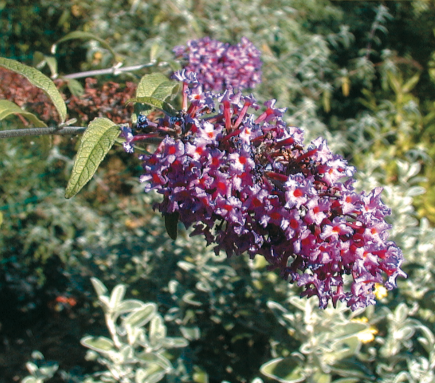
{"x":42,"y":131}
{"x":114,"y":70}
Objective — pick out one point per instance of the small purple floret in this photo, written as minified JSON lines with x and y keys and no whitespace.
{"x":219,"y":65}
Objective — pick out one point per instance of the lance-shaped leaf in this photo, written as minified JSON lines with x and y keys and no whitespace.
{"x":157,"y":331}
{"x":284,"y":370}
{"x":74,"y":87}
{"x":141,"y":316}
{"x":171,"y":224}
{"x":40,"y":80}
{"x":99,"y":344}
{"x":156,"y":103}
{"x":7,"y":108}
{"x":99,"y":286}
{"x":129,"y":305}
{"x":190,"y":333}
{"x":154,"y":358}
{"x":116,"y":297}
{"x":83,"y":36}
{"x":97,"y":140}
{"x":350,"y":368}
{"x":155,"y":85}
{"x":175,"y":342}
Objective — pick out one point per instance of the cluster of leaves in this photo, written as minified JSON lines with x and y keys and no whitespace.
{"x":132,"y":353}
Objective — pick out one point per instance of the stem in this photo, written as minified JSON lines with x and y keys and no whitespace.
{"x":184,"y":102}
{"x":42,"y":131}
{"x":114,"y":70}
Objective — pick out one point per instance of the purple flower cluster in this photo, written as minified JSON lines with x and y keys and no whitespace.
{"x":247,"y":184}
{"x":219,"y":65}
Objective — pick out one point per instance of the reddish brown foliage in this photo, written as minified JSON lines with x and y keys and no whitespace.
{"x":106,"y":100}
{"x":18,"y":89}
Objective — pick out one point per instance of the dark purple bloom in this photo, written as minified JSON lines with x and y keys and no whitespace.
{"x":247,"y":184}
{"x":219,"y":65}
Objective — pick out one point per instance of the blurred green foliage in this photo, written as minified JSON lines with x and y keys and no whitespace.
{"x":358,"y":73}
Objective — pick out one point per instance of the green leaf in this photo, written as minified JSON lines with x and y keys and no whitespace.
{"x":32,"y":367}
{"x":83,"y":36}
{"x":157,"y":359}
{"x":174,"y":64}
{"x":284,"y":370}
{"x":394,"y":83}
{"x":175,"y":342}
{"x":157,"y":331}
{"x":97,"y":140}
{"x":126,"y":354}
{"x":116,"y":297}
{"x":411,"y":83}
{"x":99,"y":344}
{"x":189,"y":299}
{"x":155,"y":51}
{"x":139,"y":317}
{"x":49,"y":370}
{"x":343,"y":348}
{"x":348,"y":329}
{"x":186,"y":266}
{"x":40,"y":80}
{"x":7,"y":108}
{"x":351,"y":369}
{"x":75,"y":87}
{"x":154,"y":378}
{"x":140,"y":375}
{"x":320,"y":377}
{"x":52,"y":64}
{"x":156,"y":103}
{"x":171,"y":224}
{"x":401,"y":313}
{"x":200,"y":376}
{"x":38,"y":60}
{"x":427,"y":340}
{"x":155,"y":85}
{"x":31,"y":379}
{"x":129,"y":305}
{"x":190,"y":333}
{"x":37,"y":355}
{"x":99,"y":287}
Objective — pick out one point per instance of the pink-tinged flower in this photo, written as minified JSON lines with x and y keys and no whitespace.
{"x":218,"y":65}
{"x":271,"y":113}
{"x":298,"y":189}
{"x":241,"y":162}
{"x":247,"y":184}
{"x":335,"y":229}
{"x":373,"y":204}
{"x":208,"y":132}
{"x":317,"y":211}
{"x":350,"y":202}
{"x":323,"y":154}
{"x":230,"y":209}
